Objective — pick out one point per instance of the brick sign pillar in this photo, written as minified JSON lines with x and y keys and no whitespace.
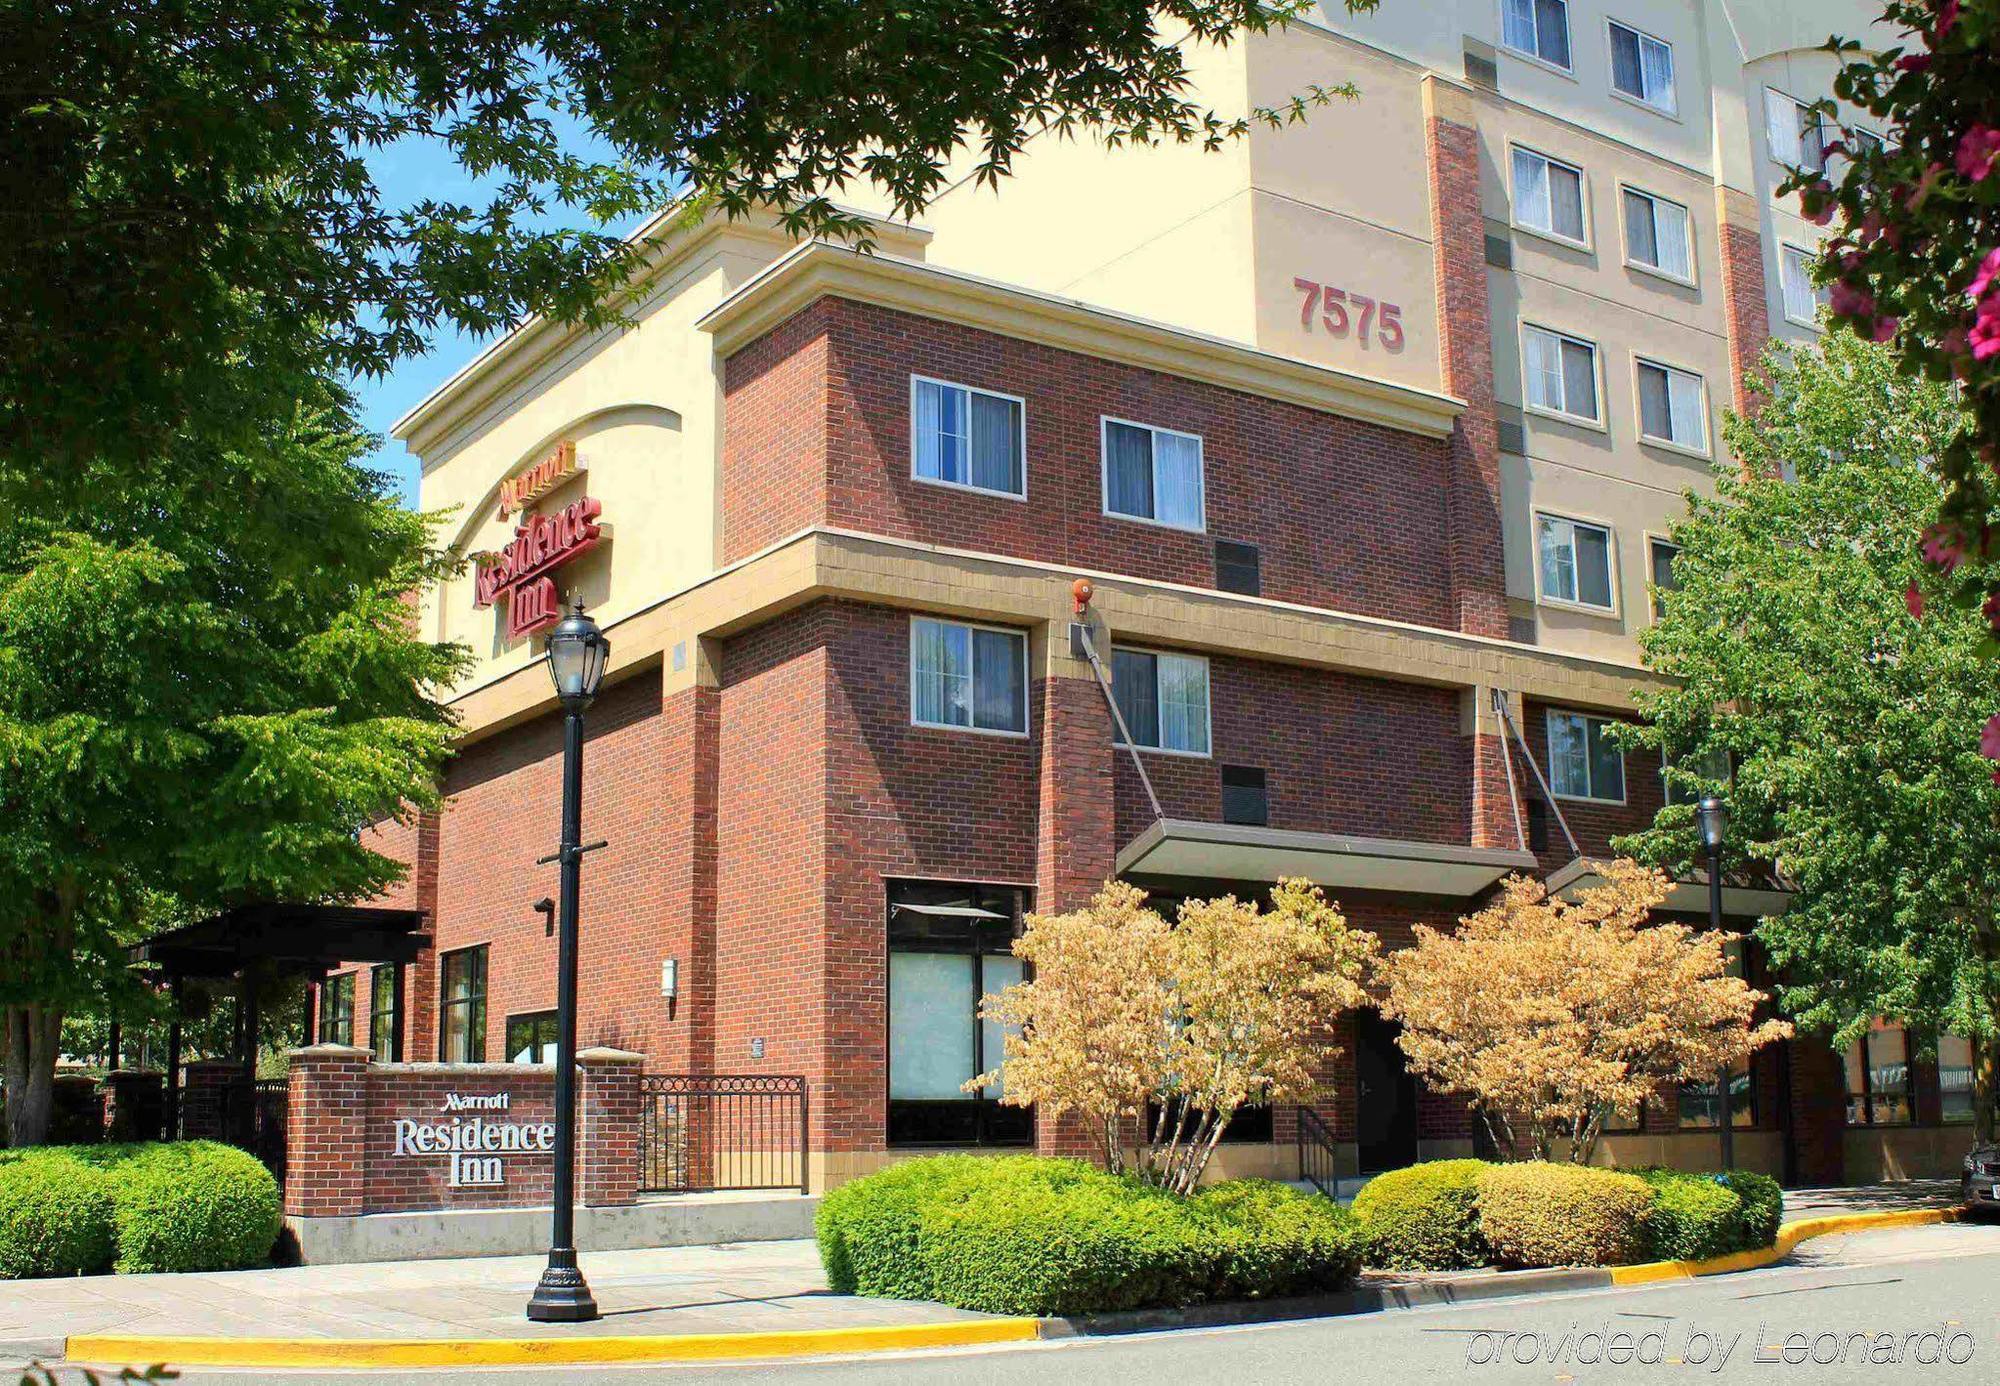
{"x":205,"y":1098}
{"x":326,"y":1131}
{"x":135,"y":1104}
{"x":608,"y":1147}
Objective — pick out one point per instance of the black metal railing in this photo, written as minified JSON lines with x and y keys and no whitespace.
{"x":1319,"y":1153}
{"x":699,"y":1132}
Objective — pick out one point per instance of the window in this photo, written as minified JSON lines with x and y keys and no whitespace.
{"x":1657,"y":235}
{"x":1700,"y":1103}
{"x":531,"y":1039}
{"x":1793,"y":128}
{"x":1955,"y":1096}
{"x":1878,"y":1078}
{"x":1660,"y":556}
{"x":960,"y":436}
{"x":1803,"y":298}
{"x":1575,"y":561}
{"x":1642,"y":67}
{"x":1867,"y":141}
{"x":972,"y":677}
{"x":336,"y":1009}
{"x":462,"y":1012}
{"x":1548,"y":196}
{"x":948,"y":946}
{"x":1583,"y":764}
{"x":1713,"y":766}
{"x":1538,"y":28}
{"x":1153,"y":474}
{"x":1673,"y":406}
{"x":1561,"y":373}
{"x":385,"y":1013}
{"x":1627,"y":1120}
{"x":1163,"y":699}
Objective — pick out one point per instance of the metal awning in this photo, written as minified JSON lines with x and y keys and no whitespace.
{"x":1743,"y":897}
{"x":305,"y":939}
{"x":1235,"y":852}
{"x":952,"y":911}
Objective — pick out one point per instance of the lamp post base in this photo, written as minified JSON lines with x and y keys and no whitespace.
{"x":562,"y":1296}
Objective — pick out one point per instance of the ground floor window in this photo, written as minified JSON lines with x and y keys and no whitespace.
{"x":1955,"y":1095}
{"x":949,"y":944}
{"x":1878,"y":1078}
{"x":462,"y":1011}
{"x":336,"y":1009}
{"x":385,"y":1013}
{"x":1701,"y":1103}
{"x":531,"y":1039}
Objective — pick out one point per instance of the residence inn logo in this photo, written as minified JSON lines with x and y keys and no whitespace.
{"x":476,"y":1144}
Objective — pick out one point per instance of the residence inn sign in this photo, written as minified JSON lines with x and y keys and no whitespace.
{"x":476,"y":1144}
{"x":522,"y":572}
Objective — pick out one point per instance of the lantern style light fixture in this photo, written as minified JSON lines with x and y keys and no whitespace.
{"x":1711,"y":815}
{"x":578,"y":653}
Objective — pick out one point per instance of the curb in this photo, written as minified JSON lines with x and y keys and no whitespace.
{"x":707,"y":1347}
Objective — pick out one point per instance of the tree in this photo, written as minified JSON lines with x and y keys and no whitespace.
{"x":209,"y":681}
{"x":1809,"y":647}
{"x":1547,"y":1014}
{"x":188,"y":185}
{"x":1134,"y":1023}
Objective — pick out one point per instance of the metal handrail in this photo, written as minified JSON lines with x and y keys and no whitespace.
{"x":1319,"y":1152}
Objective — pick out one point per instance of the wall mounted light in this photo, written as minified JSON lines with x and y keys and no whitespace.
{"x":670,"y":978}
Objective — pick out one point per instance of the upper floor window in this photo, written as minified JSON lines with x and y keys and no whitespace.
{"x":1867,"y":141}
{"x":960,"y":436}
{"x":1673,"y":406}
{"x":1538,"y":28}
{"x":970,"y":677}
{"x":1575,"y":561}
{"x":1153,"y":474}
{"x":1797,"y":138}
{"x":1642,"y":67}
{"x":1803,"y":298}
{"x":1583,"y":763}
{"x":1660,"y":556}
{"x":336,"y":1009}
{"x":1163,"y":699}
{"x":1548,"y":196}
{"x":531,"y":1038}
{"x":1561,"y":373}
{"x":1657,"y":235}
{"x":462,"y":1010}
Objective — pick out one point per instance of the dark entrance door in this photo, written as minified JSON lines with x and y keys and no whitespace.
{"x":1386,"y":1125}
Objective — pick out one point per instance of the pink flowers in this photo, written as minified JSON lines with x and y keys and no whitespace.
{"x":1947,"y":13}
{"x":1884,"y":328}
{"x":1989,"y":739}
{"x":1984,"y":338}
{"x":1914,"y":62}
{"x":1913,"y":601}
{"x":1977,"y":149}
{"x":1849,"y":302}
{"x":1943,"y":549}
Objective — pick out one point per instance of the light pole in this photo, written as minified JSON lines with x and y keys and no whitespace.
{"x":578,"y":653}
{"x":1712,"y":816}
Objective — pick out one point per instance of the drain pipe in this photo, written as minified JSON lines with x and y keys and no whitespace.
{"x":1081,"y":647}
{"x":1507,"y":718}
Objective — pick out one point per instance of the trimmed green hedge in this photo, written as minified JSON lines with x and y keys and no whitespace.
{"x":1695,"y":1216}
{"x":180,"y":1206}
{"x":1763,"y":1206}
{"x":1540,"y":1214}
{"x":56,"y":1216}
{"x":1423,"y":1217}
{"x":1025,"y":1235}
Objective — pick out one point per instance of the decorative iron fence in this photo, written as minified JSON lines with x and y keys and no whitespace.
{"x":699,"y":1132}
{"x":1319,"y":1163}
{"x":251,"y":1116}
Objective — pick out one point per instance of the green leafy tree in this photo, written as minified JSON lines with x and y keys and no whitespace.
{"x":208,"y":681}
{"x":1807,"y":647}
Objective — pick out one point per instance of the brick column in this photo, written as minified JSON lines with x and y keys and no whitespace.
{"x":205,"y":1098}
{"x":419,"y":1018}
{"x":326,"y":1131}
{"x":608,"y":1143}
{"x":1492,"y":806}
{"x":1746,"y":304}
{"x":1465,"y":357}
{"x":135,"y":1104}
{"x":1819,"y":1110}
{"x":691,"y":734}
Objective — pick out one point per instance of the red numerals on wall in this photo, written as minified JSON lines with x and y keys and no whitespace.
{"x":1344,"y":311}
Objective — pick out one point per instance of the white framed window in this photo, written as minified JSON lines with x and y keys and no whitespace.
{"x":961,"y":436}
{"x":1803,"y":298}
{"x":1797,"y":138}
{"x":1538,"y":29}
{"x":1574,"y":562}
{"x":1660,"y":556}
{"x":1548,"y":196}
{"x":1659,"y":235}
{"x":1673,"y":406}
{"x":1712,"y":765}
{"x":1583,"y":764}
{"x":1867,"y":141}
{"x":967,"y":677}
{"x":1163,"y":699}
{"x":1560,"y":373}
{"x":1642,"y":67}
{"x":1154,"y":474}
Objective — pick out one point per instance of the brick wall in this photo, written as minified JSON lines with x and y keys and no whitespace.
{"x":1746,"y":305}
{"x":1594,"y":824}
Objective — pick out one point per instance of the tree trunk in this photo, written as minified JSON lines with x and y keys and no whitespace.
{"x":33,"y":1035}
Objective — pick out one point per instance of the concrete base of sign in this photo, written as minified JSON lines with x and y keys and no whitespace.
{"x":666,"y":1220}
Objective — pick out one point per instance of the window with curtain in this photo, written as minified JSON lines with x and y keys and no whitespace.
{"x":1642,"y":67}
{"x":1548,"y":195}
{"x":1575,"y":561}
{"x":1793,"y":132}
{"x":336,"y":1009}
{"x":531,"y":1038}
{"x":462,"y":1006}
{"x":385,"y":1030}
{"x":949,"y":945}
{"x":1163,"y":699}
{"x":1539,"y":28}
{"x":965,"y":676}
{"x":1583,"y":764}
{"x":1153,"y":474}
{"x":1657,"y":234}
{"x":960,"y":436}
{"x":1561,"y":373}
{"x":1673,"y":406}
{"x":1803,"y":298}
{"x":1878,"y":1078}
{"x":1955,"y":1094}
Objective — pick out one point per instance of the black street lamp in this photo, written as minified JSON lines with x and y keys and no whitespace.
{"x":1712,"y":817}
{"x":578,"y":653}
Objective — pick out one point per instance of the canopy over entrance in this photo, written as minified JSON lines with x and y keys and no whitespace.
{"x":1238,"y":852}
{"x":277,"y":939}
{"x":1745,"y":895}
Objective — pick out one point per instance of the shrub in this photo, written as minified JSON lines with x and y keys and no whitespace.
{"x":1277,"y":1241}
{"x":1763,"y":1201}
{"x":55,"y":1216}
{"x":1694,"y":1217}
{"x":1424,"y":1217}
{"x":1539,"y":1214}
{"x":188,"y":1205}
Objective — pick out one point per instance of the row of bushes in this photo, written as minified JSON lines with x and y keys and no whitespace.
{"x":185,"y":1206}
{"x":1026,"y":1235}
{"x":1455,"y":1214}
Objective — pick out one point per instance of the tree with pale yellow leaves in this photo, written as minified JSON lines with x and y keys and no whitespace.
{"x":1547,"y":1014}
{"x":1156,"y":1034}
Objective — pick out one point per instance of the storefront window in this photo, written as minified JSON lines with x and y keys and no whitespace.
{"x":385,"y":1029}
{"x":336,"y":1009}
{"x":462,"y":1012}
{"x":531,"y":1039}
{"x":948,"y":946}
{"x":1700,"y":1105}
{"x":1955,"y":1079}
{"x":1878,"y":1078}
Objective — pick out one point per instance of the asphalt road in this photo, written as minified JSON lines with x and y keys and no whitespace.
{"x":1844,"y":1301}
